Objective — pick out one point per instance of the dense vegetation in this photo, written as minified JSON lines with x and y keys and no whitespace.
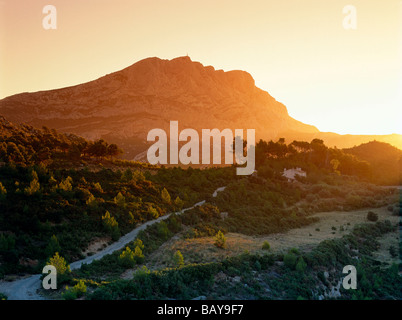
{"x":385,"y":161}
{"x":374,"y":162}
{"x":296,"y":275}
{"x":59,"y":193}
{"x":25,"y":145}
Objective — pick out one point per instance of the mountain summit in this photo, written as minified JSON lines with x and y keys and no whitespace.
{"x":123,"y":106}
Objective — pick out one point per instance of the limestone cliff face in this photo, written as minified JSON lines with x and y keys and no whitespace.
{"x":123,"y":106}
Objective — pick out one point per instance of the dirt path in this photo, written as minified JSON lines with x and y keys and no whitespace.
{"x":26,"y":288}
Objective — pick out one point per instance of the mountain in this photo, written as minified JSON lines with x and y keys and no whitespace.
{"x":123,"y":106}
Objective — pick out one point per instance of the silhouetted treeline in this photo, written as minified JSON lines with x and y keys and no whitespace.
{"x":24,"y":144}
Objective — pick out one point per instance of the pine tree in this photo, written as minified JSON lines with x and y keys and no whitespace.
{"x":111,"y":225}
{"x":60,"y":264}
{"x":3,"y":191}
{"x":120,"y":200}
{"x":220,"y":240}
{"x":301,"y":265}
{"x":34,"y":187}
{"x":179,"y":203}
{"x":126,"y":258}
{"x":138,"y":255}
{"x":178,"y":259}
{"x":53,"y":246}
{"x":165,"y":196}
{"x":153,"y":213}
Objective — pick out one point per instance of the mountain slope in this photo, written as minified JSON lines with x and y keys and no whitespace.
{"x":123,"y":106}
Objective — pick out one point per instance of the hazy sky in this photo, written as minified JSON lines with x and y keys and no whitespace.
{"x":344,"y":81}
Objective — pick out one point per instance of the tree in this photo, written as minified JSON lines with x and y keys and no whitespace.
{"x":165,"y":196}
{"x":111,"y":225}
{"x":126,"y":258}
{"x":98,"y":187}
{"x":178,"y":259}
{"x":138,"y":243}
{"x":3,"y":191}
{"x":113,"y":150}
{"x":127,"y":175}
{"x":179,"y":203}
{"x":220,"y":240}
{"x":53,"y":246}
{"x":152,"y":212}
{"x":91,"y":201}
{"x":62,"y":268}
{"x":290,"y":260}
{"x":120,"y":200}
{"x":33,"y":188}
{"x":163,"y":230}
{"x":66,"y":184}
{"x":301,"y":265}
{"x":138,"y":255}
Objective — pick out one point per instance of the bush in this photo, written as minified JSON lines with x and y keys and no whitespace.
{"x":178,"y":259}
{"x":290,"y":260}
{"x":301,"y":265}
{"x":266,"y":245}
{"x":371,"y":216}
{"x":220,"y":240}
{"x":126,"y":258}
{"x":75,"y":292}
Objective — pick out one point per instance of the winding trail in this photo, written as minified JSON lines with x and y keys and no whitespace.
{"x":26,"y":288}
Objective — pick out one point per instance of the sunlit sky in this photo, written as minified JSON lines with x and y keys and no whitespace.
{"x":344,"y":81}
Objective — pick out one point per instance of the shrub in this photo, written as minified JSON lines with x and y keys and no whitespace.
{"x":301,"y":265}
{"x":69,"y":294}
{"x":220,"y":240}
{"x":178,"y":259}
{"x":266,"y":245}
{"x":126,"y":258}
{"x":290,"y":260}
{"x":75,"y":292}
{"x":372,"y":216}
{"x":141,"y":273}
{"x":393,"y":251}
{"x":138,"y":243}
{"x":138,"y":255}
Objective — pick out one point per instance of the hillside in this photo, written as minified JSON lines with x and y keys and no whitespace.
{"x":385,"y":159}
{"x":123,"y":106}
